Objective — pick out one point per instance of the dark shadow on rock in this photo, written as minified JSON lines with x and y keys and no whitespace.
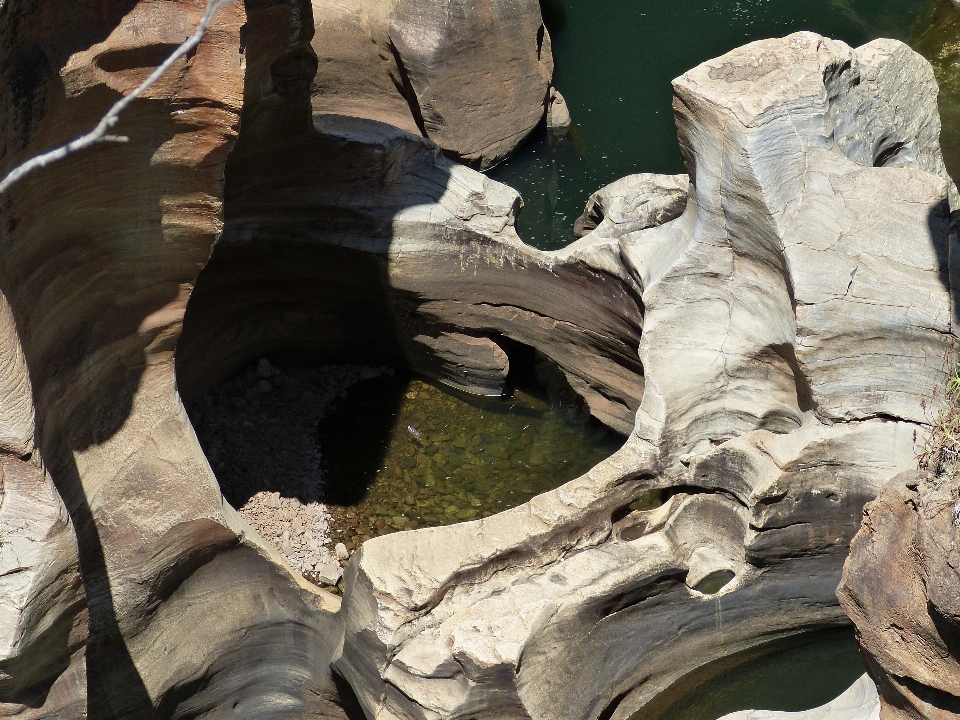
{"x":355,"y":436}
{"x":946,"y":235}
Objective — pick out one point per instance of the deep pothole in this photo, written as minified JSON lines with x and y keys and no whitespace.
{"x":320,"y":459}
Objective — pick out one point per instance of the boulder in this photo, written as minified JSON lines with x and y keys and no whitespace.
{"x":901,"y":587}
{"x":634,"y":202}
{"x":472,"y":76}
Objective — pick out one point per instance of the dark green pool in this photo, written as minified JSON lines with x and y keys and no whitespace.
{"x":615,"y":60}
{"x":799,"y":673}
{"x":407,"y":453}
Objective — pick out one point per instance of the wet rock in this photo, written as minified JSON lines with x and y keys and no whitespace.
{"x":634,"y":202}
{"x":475,"y":365}
{"x":558,"y":114}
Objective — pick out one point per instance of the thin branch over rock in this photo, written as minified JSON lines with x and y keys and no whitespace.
{"x":100,"y":134}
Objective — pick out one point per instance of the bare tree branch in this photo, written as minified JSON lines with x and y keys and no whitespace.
{"x":99,"y":133}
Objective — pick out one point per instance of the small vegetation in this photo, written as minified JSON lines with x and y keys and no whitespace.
{"x":941,"y":452}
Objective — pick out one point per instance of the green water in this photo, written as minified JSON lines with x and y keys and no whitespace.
{"x":797,"y":674}
{"x":937,"y":37}
{"x":407,"y":454}
{"x":615,"y":60}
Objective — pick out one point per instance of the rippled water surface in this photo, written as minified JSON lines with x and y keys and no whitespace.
{"x":615,"y":60}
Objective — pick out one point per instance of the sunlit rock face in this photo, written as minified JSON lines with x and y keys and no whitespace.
{"x":471,"y":75}
{"x":797,"y":317}
{"x":900,"y":587}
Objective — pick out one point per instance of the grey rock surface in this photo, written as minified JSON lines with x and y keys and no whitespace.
{"x":797,"y":322}
{"x":634,"y":202}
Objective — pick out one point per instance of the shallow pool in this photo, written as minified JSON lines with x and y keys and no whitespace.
{"x":798,"y":673}
{"x":401,"y":453}
{"x":614,"y":63}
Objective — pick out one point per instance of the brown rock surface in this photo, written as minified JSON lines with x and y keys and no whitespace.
{"x":100,"y":253}
{"x":901,"y":587}
{"x":471,"y":75}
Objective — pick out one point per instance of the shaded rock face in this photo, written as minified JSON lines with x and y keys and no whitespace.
{"x":901,"y":587}
{"x":471,"y":75}
{"x":124,"y":587}
{"x":797,"y":315}
{"x":418,"y":266}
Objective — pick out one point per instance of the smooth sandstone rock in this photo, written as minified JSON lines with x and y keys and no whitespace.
{"x":635,"y":202}
{"x":730,"y":331}
{"x":122,"y":581}
{"x":796,"y":316}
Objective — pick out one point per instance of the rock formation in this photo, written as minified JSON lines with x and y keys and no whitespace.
{"x":127,"y":584}
{"x":779,"y":396}
{"x":419,"y":265}
{"x":768,"y":332}
{"x":901,"y":587}
{"x":858,"y":702}
{"x":471,"y":75}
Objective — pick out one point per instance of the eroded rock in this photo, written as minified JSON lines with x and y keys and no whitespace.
{"x":471,"y":76}
{"x":100,"y":254}
{"x":901,"y":587}
{"x":418,"y":266}
{"x":780,"y":394}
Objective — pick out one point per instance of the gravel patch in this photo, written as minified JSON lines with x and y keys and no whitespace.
{"x":259,"y":432}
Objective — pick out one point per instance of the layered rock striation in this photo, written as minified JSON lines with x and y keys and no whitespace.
{"x":796,"y":320}
{"x":129,"y":587}
{"x":768,"y":330}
